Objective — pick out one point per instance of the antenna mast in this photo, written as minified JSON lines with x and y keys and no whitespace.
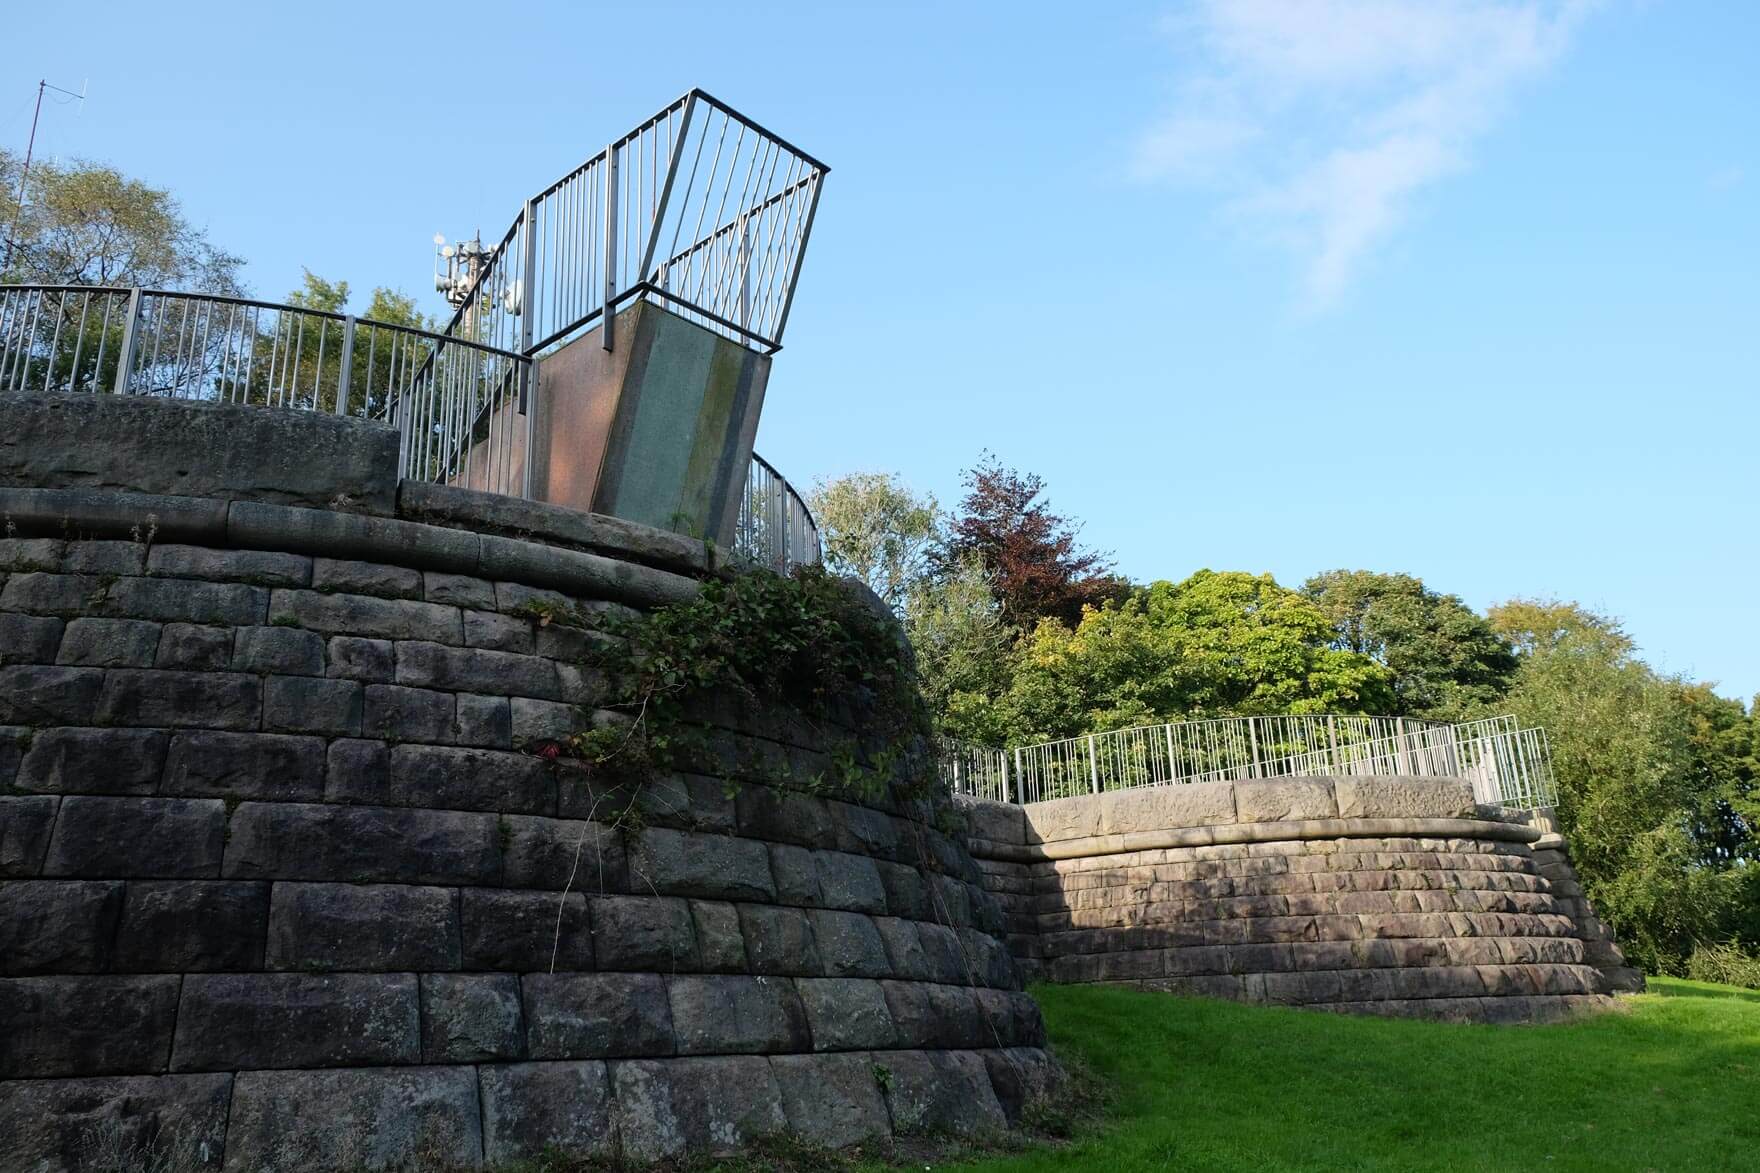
{"x":30,"y":147}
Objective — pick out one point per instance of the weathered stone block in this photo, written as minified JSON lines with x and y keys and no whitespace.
{"x":652,"y":933}
{"x":456,"y":779}
{"x":28,"y":639}
{"x":109,"y":643}
{"x":60,"y":1125}
{"x":906,"y":894}
{"x":1271,"y":800}
{"x":710,"y":1105}
{"x":687,"y":863}
{"x":34,"y":694}
{"x":185,"y":601}
{"x":1021,"y":1076}
{"x":832,"y":1100}
{"x":995,"y":822}
{"x":227,"y":1021}
{"x":780,"y":816}
{"x":268,"y":568}
{"x":943,"y":951}
{"x":298,"y":841}
{"x":362,"y":927}
{"x":1403,"y":798}
{"x":849,"y":945}
{"x":290,"y":651}
{"x":58,"y":1026}
{"x":194,"y":648}
{"x":471,"y":1018}
{"x":434,"y":665}
{"x":57,"y":926}
{"x":484,"y":721}
{"x":189,"y":926}
{"x":94,"y":761}
{"x":721,"y":946}
{"x":1157,"y":808}
{"x":533,"y":1109}
{"x":362,"y":615}
{"x":208,"y":763}
{"x":497,"y":632}
{"x":366,"y":578}
{"x":846,"y":1014}
{"x":25,"y":823}
{"x":408,"y":714}
{"x":779,"y":940}
{"x":595,"y":1016}
{"x":905,"y":956}
{"x":296,"y":1121}
{"x":849,"y":882}
{"x":458,"y":590}
{"x":205,"y":700}
{"x":148,"y":838}
{"x":371,"y":661}
{"x":311,"y":704}
{"x":720,"y":1014}
{"x":796,"y":874}
{"x":522,"y":932}
{"x":535,"y":720}
{"x":940,"y":1092}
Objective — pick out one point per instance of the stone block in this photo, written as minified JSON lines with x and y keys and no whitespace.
{"x":357,"y":844}
{"x":289,"y":651}
{"x":269,"y":568}
{"x":204,"y":700}
{"x":1058,"y":819}
{"x":311,"y":704}
{"x":358,"y":771}
{"x":561,"y":854}
{"x":848,"y":944}
{"x":206,"y":763}
{"x":995,"y":822}
{"x":362,"y":615}
{"x":831,"y":1100}
{"x":651,"y":933}
{"x":371,"y":661}
{"x":940,"y":1092}
{"x":394,"y":713}
{"x":721,"y":946}
{"x":1161,"y":808}
{"x":863,"y":830}
{"x":943,"y":951}
{"x":145,"y":838}
{"x":186,"y":601}
{"x":905,"y":956}
{"x":227,"y":1021}
{"x":362,"y":927}
{"x":531,"y":1110}
{"x":471,"y":1018}
{"x":535,"y":720}
{"x":1404,"y":798}
{"x":93,"y":761}
{"x":778,"y":940}
{"x":60,"y":1125}
{"x":722,"y":1014}
{"x":192,"y":926}
{"x":57,"y":926}
{"x":25,"y":824}
{"x":339,"y":576}
{"x":377,"y":1118}
{"x":58,"y":1026}
{"x":458,"y":590}
{"x":522,"y":932}
{"x":35,"y":694}
{"x":906,"y":894}
{"x":497,"y":632}
{"x":596,"y":1016}
{"x":846,"y":1014}
{"x":433,"y":665}
{"x":849,"y":882}
{"x":1021,"y":1076}
{"x":780,"y":816}
{"x":485,"y":721}
{"x":688,"y":863}
{"x":194,"y":648}
{"x":695,"y":1105}
{"x":796,"y":874}
{"x":1274,"y":800}
{"x":28,"y":639}
{"x":109,"y":643}
{"x":443,"y":777}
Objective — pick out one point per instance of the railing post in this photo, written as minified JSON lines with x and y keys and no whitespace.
{"x":1017,"y":772}
{"x":1007,"y":794}
{"x":125,"y":357}
{"x":1253,"y":740}
{"x":1093,"y":765}
{"x":1172,"y":756}
{"x":347,"y":365}
{"x":608,"y":315}
{"x":528,"y":372}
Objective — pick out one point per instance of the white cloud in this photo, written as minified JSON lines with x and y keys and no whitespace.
{"x":1320,"y":120}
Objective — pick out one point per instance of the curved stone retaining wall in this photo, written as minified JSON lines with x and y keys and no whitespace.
{"x":1385,"y":895}
{"x":276,"y":879}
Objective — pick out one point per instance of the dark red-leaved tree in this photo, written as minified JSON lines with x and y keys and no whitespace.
{"x":1030,"y":552}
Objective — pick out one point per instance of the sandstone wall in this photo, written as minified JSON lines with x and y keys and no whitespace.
{"x":1385,"y":895}
{"x":275,"y":875}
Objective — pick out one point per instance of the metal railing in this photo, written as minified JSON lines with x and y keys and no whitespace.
{"x":698,"y":208}
{"x":459,"y":406}
{"x":1506,"y":764}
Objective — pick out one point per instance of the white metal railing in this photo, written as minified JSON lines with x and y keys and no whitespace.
{"x":1506,"y":764}
{"x":775,"y":527}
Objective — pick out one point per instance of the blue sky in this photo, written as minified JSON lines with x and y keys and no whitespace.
{"x":1469,"y":290}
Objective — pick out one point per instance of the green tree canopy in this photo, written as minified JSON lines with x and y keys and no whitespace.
{"x":873,"y":526}
{"x":1447,"y":661}
{"x":964,"y":649}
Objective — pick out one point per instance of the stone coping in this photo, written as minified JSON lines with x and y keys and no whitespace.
{"x":206,"y":521}
{"x":1268,"y":832}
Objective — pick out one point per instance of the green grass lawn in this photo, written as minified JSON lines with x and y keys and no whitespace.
{"x":1671,"y":1083}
